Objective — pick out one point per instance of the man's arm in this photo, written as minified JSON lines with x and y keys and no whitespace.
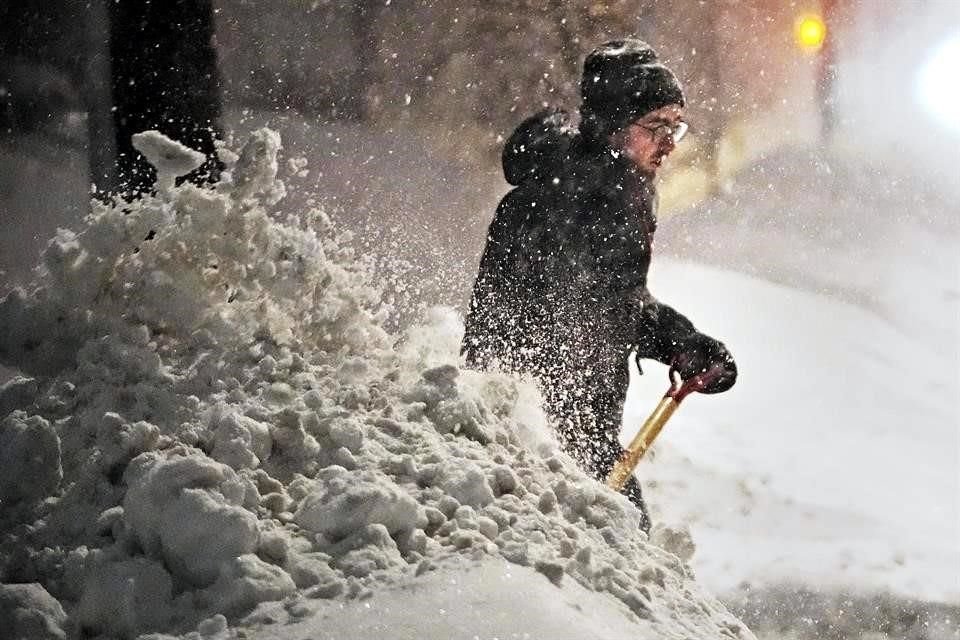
{"x":666,"y":335}
{"x":661,"y":329}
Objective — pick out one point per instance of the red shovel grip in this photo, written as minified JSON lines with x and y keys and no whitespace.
{"x":680,"y":390}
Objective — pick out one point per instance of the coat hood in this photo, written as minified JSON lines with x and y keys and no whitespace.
{"x":538,"y":147}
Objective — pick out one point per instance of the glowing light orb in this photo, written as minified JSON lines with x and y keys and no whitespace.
{"x":937,"y":88}
{"x":810,"y":32}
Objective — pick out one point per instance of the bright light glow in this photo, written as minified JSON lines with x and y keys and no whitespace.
{"x":810,"y":32}
{"x":937,"y":87}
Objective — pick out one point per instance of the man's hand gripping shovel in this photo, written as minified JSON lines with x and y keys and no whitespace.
{"x":654,"y":424}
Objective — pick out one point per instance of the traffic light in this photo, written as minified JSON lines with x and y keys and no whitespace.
{"x":810,"y":32}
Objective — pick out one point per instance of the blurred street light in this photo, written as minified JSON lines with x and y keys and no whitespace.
{"x":810,"y":32}
{"x":937,"y":86}
{"x":810,"y":35}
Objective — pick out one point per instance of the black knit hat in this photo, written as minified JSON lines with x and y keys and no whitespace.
{"x":623,"y":80}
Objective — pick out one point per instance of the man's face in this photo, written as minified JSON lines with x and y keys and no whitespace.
{"x":650,"y":139}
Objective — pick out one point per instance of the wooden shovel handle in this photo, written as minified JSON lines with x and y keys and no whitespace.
{"x":654,"y":424}
{"x":641,"y":442}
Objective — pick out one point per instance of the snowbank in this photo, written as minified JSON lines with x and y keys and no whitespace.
{"x":216,"y":418}
{"x":30,"y":612}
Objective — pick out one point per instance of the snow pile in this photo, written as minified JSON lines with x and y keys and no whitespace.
{"x":215,"y":418}
{"x":30,"y":612}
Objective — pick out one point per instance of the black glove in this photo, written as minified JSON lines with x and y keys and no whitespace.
{"x":698,"y":353}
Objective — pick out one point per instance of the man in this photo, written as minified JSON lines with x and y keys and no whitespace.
{"x":561,"y":293}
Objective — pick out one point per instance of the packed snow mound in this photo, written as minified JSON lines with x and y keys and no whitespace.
{"x":213,"y":417}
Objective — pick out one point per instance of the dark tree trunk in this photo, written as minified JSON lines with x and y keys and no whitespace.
{"x":569,"y":49}
{"x":710,"y":48}
{"x":827,"y":72}
{"x":363,"y":16}
{"x":101,"y":140}
{"x":164,"y":77}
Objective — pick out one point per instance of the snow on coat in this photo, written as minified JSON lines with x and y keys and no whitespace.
{"x":564,"y":270}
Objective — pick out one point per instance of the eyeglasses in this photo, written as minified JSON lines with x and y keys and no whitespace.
{"x":661,"y":131}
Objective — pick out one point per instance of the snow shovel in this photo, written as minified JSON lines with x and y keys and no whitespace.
{"x":651,"y":428}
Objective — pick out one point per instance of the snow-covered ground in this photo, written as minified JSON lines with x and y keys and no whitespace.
{"x":834,"y":277}
{"x":833,"y":461}
{"x":489,"y":598}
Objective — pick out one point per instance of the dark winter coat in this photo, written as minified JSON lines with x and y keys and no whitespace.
{"x":563,"y":275}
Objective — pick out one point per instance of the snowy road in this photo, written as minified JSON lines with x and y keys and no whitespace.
{"x":834,"y":461}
